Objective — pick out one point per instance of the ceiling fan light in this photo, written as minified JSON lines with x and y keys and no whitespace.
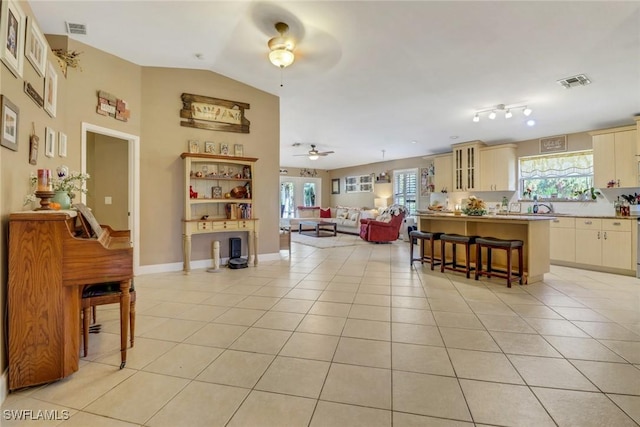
{"x":476,"y":118}
{"x":527,"y":111}
{"x":492,"y":115}
{"x":313,"y":157}
{"x":281,"y":57}
{"x":508,"y":114}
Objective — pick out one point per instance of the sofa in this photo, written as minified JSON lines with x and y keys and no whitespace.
{"x":385,"y":227}
{"x":347,"y":219}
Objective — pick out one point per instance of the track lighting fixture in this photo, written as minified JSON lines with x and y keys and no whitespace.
{"x":508,"y":111}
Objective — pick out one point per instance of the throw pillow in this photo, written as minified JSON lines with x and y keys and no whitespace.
{"x":325,"y":213}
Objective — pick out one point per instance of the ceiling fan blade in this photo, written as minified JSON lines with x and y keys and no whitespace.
{"x":324,"y":153}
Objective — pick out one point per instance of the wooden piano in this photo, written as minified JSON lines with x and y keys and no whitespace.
{"x":49,"y":264}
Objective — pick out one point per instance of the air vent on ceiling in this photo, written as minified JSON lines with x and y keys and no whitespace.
{"x":579,"y":80}
{"x":76,"y":28}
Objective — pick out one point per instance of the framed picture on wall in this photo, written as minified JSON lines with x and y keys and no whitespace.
{"x":10,"y":116}
{"x":12,"y":31}
{"x":36,"y":47}
{"x":335,"y":186}
{"x":49,"y":142}
{"x":194,"y":146}
{"x":50,"y":90}
{"x":62,"y":144}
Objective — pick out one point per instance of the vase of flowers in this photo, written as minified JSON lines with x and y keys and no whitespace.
{"x":66,"y":184}
{"x":475,"y":207}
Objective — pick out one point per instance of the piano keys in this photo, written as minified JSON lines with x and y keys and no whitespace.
{"x":48,"y":267}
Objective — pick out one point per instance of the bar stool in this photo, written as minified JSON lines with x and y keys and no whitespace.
{"x":457,"y":239}
{"x":424,"y":237}
{"x":493,"y":243}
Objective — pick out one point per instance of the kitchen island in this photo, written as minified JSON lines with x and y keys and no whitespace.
{"x":533,"y":230}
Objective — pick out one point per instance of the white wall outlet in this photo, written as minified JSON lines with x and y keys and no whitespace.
{"x":107,"y":200}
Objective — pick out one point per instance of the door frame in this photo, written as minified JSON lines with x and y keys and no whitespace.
{"x":133,"y":145}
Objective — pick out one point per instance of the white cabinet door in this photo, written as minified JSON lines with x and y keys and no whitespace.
{"x":616,"y":251}
{"x":443,"y":172}
{"x":604,"y":164}
{"x":625,"y":158}
{"x":563,"y":240}
{"x":588,"y":247}
{"x":614,"y":159}
{"x":498,"y":168}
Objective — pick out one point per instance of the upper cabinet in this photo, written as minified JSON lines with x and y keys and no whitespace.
{"x":443,"y":172}
{"x":466,"y":160}
{"x":615,"y":157}
{"x":498,"y":168}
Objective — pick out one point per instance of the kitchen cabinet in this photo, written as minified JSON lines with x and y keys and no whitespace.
{"x":498,"y":168}
{"x":615,"y":157}
{"x":605,"y":242}
{"x":443,"y":172}
{"x":563,"y":239}
{"x":466,"y":162}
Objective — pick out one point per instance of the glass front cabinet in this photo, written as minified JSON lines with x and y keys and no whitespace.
{"x":218,"y":198}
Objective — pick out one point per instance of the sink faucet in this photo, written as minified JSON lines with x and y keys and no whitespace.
{"x":549,"y":207}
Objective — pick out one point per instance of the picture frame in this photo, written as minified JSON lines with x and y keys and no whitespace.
{"x":194,"y":146}
{"x":10,"y":123}
{"x":210,"y":147}
{"x":553,"y":144}
{"x":34,"y":143}
{"x":50,"y":90}
{"x":216,"y":192}
{"x":238,"y":150}
{"x":335,"y":186}
{"x":62,"y":144}
{"x":49,"y":142}
{"x":36,"y":47}
{"x":12,"y":33}
{"x":515,"y":207}
{"x":224,"y":149}
{"x":204,"y":112}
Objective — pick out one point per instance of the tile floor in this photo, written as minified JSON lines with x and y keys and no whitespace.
{"x":353,"y":336}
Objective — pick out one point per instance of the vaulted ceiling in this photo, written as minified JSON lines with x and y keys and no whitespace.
{"x":403,"y":77}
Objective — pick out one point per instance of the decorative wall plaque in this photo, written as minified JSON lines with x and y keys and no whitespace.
{"x":35,"y":96}
{"x":553,"y":144}
{"x":109,"y":105}
{"x":203,"y":112}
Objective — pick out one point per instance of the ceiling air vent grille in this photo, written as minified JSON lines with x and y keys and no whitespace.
{"x":76,"y":28}
{"x":579,"y":80}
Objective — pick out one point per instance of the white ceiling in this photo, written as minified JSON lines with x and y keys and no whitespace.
{"x":373,"y":76}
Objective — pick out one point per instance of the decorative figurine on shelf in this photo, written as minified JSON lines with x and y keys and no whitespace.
{"x":246,"y":172}
{"x":192,"y":194}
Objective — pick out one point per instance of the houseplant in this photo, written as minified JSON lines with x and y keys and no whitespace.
{"x":65,"y":185}
{"x":475,"y":207}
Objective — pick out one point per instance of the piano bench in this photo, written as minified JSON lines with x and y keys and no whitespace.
{"x":101,"y":294}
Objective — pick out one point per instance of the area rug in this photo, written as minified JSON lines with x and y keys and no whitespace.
{"x":328,"y":242}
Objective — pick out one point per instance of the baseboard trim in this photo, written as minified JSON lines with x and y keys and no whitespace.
{"x":203,"y":263}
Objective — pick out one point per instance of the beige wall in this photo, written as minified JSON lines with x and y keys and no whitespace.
{"x":107,"y":163}
{"x":163,"y":139}
{"x":153,"y":96}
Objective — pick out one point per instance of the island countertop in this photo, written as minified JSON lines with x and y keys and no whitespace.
{"x":533,"y":230}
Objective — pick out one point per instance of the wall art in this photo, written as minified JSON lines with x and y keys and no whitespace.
{"x":10,"y":117}
{"x":109,"y":105}
{"x":203,"y":112}
{"x":12,"y":31}
{"x":50,"y":90}
{"x":62,"y":144}
{"x":49,"y":142}
{"x":36,"y":47}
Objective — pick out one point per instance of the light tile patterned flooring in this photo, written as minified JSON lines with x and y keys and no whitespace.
{"x":354,"y":337}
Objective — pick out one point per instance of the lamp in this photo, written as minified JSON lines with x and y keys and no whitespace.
{"x":313,"y":157}
{"x":281,"y":47}
{"x":380,"y":202}
{"x":508,"y":111}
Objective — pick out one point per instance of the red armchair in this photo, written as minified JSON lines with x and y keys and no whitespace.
{"x":380,"y":231}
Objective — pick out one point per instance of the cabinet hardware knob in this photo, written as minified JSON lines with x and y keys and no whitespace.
{"x":616,"y":223}
{"x":605,"y":235}
{"x":598,"y":235}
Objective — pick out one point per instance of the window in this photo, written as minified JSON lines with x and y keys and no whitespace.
{"x":556,"y":176}
{"x":405,"y":189}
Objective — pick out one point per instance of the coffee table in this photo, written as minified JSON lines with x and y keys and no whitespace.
{"x":318,"y":226}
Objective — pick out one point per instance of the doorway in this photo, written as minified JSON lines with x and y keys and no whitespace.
{"x":298,"y":191}
{"x":112,"y":159}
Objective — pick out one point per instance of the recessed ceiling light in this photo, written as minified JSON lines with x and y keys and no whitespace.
{"x":453,"y":137}
{"x":531,"y":122}
{"x":199,"y":56}
{"x":413,"y":142}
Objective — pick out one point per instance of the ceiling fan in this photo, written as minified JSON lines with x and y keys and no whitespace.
{"x":313,"y":154}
